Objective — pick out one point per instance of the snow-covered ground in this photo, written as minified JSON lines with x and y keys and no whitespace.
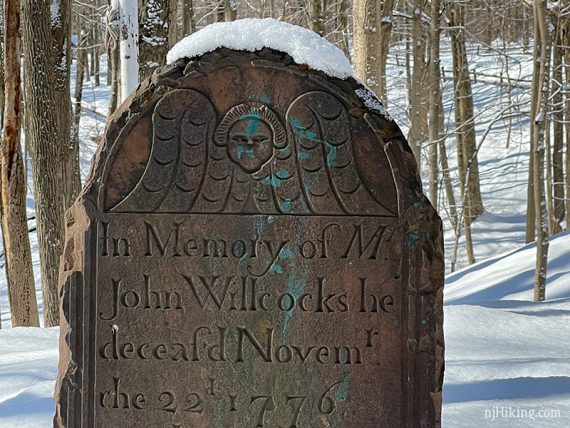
{"x":507,"y":358}
{"x":28,"y":368}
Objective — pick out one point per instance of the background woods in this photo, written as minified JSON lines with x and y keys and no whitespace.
{"x":396,"y":48}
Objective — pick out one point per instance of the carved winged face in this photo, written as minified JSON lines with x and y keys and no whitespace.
{"x":250,"y":143}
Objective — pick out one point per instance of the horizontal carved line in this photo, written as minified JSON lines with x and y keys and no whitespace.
{"x":275,"y":214}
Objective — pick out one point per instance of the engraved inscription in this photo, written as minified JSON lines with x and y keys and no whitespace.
{"x":171,"y":244}
{"x":113,"y":247}
{"x":148,"y":299}
{"x":259,"y":406}
{"x":253,"y":297}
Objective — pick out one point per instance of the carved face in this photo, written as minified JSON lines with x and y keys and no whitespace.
{"x":250,"y":143}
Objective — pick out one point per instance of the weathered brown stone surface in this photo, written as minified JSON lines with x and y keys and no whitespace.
{"x":252,"y":249}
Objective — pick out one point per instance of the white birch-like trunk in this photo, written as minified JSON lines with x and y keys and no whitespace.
{"x":129,"y":36}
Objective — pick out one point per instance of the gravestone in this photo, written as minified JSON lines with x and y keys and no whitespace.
{"x":252,"y":249}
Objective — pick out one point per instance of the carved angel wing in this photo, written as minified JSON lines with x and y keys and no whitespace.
{"x":332,"y":184}
{"x":218,"y":180}
{"x":285,"y":181}
{"x":183,"y":123}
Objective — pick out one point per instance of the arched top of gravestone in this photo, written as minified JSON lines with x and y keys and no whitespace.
{"x":255,"y":131}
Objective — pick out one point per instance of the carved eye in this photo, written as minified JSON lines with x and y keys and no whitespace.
{"x":239,"y":138}
{"x":260,"y":139}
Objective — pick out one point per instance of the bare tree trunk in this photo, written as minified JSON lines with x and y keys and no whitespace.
{"x":2,"y":109}
{"x":110,"y":69}
{"x":188,"y":24}
{"x":287,"y":10}
{"x":488,"y":33}
{"x":465,"y":126}
{"x":17,"y":253}
{"x":459,"y":134}
{"x":155,"y":22}
{"x":468,"y":239}
{"x":88,"y":61}
{"x":548,"y":172}
{"x":418,"y":92}
{"x":557,"y":204}
{"x":115,"y":86}
{"x":61,"y":66}
{"x":448,"y":188}
{"x":220,"y":12}
{"x":173,"y":30}
{"x":371,"y":46}
{"x":468,"y":163}
{"x":509,"y":93}
{"x":526,"y":29}
{"x":531,"y":214}
{"x":112,"y":20}
{"x":78,"y":93}
{"x":540,"y":95}
{"x":96,"y":51}
{"x":92,"y":54}
{"x":342,"y":19}
{"x":230,"y":10}
{"x":386,"y":9}
{"x":434,"y":104}
{"x":366,"y":42}
{"x":2,"y":94}
{"x":565,"y":41}
{"x":443,"y":159}
{"x":316,"y":11}
{"x":55,"y":163}
{"x":408,"y":66}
